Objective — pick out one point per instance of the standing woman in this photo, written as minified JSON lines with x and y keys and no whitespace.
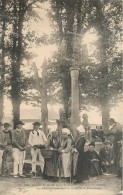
{"x":65,"y":153}
{"x":81,"y":167}
{"x":51,"y":164}
{"x":8,"y":154}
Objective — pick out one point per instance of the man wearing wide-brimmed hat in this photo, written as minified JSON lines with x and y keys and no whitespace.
{"x":114,"y":134}
{"x":37,"y":140}
{"x":19,"y":141}
{"x":2,"y":146}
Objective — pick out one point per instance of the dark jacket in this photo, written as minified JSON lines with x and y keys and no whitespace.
{"x":19,"y":139}
{"x":2,"y":140}
{"x":106,"y":155}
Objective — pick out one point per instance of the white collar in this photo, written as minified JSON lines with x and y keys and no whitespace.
{"x":36,"y":129}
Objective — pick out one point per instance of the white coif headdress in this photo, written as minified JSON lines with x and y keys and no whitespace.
{"x":66,"y":130}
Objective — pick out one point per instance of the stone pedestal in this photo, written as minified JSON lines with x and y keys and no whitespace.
{"x":75,"y":119}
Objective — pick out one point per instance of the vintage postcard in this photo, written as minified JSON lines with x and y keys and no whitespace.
{"x":61,"y":108}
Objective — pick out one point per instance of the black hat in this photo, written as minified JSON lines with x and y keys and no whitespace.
{"x":112,"y":120}
{"x":36,"y":123}
{"x":107,"y":142}
{"x":7,"y":124}
{"x":92,"y":144}
{"x":19,"y":123}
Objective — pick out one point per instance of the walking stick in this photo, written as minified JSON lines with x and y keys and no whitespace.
{"x":59,"y":159}
{"x":71,"y":166}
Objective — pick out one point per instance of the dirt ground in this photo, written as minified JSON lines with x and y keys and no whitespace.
{"x":102,"y":185}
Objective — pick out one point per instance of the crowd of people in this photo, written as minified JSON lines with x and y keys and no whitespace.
{"x":60,"y":155}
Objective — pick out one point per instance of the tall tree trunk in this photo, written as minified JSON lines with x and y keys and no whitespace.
{"x":15,"y":73}
{"x":44,"y":109}
{"x":17,"y":54}
{"x":2,"y":63}
{"x":2,"y":71}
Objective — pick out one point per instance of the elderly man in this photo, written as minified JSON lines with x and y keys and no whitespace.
{"x":114,"y":134}
{"x":19,"y":141}
{"x":37,"y":140}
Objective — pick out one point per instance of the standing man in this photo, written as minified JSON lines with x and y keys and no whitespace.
{"x":19,"y":148}
{"x":2,"y":146}
{"x":8,"y":153}
{"x":37,"y":140}
{"x":114,"y":134}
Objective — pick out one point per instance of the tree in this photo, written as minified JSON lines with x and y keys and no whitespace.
{"x":96,"y":77}
{"x":3,"y":27}
{"x":2,"y":63}
{"x":107,"y":49}
{"x":20,"y":8}
{"x":70,"y":19}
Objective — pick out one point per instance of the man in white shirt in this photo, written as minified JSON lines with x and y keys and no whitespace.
{"x":37,"y":140}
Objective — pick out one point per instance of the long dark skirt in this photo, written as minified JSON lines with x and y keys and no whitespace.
{"x":94,"y":168}
{"x":81,"y":172}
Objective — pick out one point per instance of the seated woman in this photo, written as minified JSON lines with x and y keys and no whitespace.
{"x":65,"y":154}
{"x":51,"y":164}
{"x":93,"y":161}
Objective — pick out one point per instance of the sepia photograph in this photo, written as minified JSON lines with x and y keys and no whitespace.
{"x":61,"y":100}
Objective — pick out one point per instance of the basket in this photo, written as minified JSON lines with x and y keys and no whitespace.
{"x":47,"y":153}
